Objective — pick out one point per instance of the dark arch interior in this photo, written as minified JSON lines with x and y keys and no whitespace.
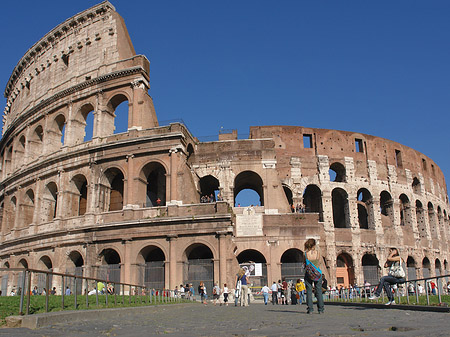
{"x":111,"y":256}
{"x":153,"y":253}
{"x":340,"y":208}
{"x":76,"y":258}
{"x":292,"y":255}
{"x":209,"y":186}
{"x":288,"y":193}
{"x":337,"y":172}
{"x":199,"y":252}
{"x":369,"y":260}
{"x":251,"y":255}
{"x":410,"y":262}
{"x":155,"y":175}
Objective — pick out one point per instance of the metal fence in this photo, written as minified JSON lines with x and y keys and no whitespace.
{"x":417,"y":291}
{"x":108,"y":290}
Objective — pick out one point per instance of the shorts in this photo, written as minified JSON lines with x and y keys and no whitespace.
{"x":216,"y":297}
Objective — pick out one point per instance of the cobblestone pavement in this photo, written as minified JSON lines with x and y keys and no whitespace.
{"x":256,"y":320}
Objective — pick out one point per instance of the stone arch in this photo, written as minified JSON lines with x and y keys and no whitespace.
{"x":386,"y":209}
{"x":365,"y":209}
{"x":118,"y":108}
{"x":292,"y":262}
{"x":152,"y":267}
{"x":254,"y":256}
{"x":288,"y":193}
{"x":44,"y":264}
{"x":199,"y":266}
{"x":312,"y":200}
{"x":209,"y":188}
{"x":405,"y":211}
{"x":153,"y":176}
{"x":337,"y":173}
{"x":411,"y":268}
{"x":10,"y":213}
{"x":437,"y":267}
{"x":432,"y":220}
{"x":27,"y":208}
{"x":341,"y":216}
{"x":420,"y":218}
{"x":345,"y":274}
{"x":249,"y":180}
{"x":190,"y":154}
{"x":371,"y":269}
{"x":49,"y":203}
{"x":20,"y":151}
{"x":23,"y":263}
{"x":440,"y":218}
{"x":74,"y":266}
{"x":110,"y":267}
{"x":426,"y":267}
{"x":35,"y":142}
{"x":56,"y":133}
{"x":83,"y":125}
{"x":3,"y":224}
{"x":79,"y":196}
{"x":112,"y":189}
{"x":9,"y":160}
{"x":416,"y":186}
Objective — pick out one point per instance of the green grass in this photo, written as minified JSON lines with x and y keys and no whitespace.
{"x":434,"y":300}
{"x":9,"y":305}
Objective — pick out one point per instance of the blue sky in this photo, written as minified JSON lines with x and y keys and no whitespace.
{"x":378,"y":67}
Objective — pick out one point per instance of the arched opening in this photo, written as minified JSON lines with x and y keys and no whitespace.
{"x":199,"y":266}
{"x":83,"y":124}
{"x":405,"y":211}
{"x":386,"y":209}
{"x":9,"y":160}
{"x":119,"y":106}
{"x":22,"y":264}
{"x":337,"y":173}
{"x":440,"y":219}
{"x":420,"y":218}
{"x":2,"y":210}
{"x":437,"y":267}
{"x":5,"y":278}
{"x":426,"y":267}
{"x":190,"y":154}
{"x":209,"y":189}
{"x":312,"y":200}
{"x":288,"y":194}
{"x":56,"y":133}
{"x":110,"y":268}
{"x":27,"y":208}
{"x":370,"y":267}
{"x":45,"y":264}
{"x":416,"y":186}
{"x":248,"y":180}
{"x":292,"y":267}
{"x":153,"y":267}
{"x":49,"y":202}
{"x":79,"y":198}
{"x":411,"y":267}
{"x":35,"y":143}
{"x":111,"y":190}
{"x":254,"y":257}
{"x":341,"y":218}
{"x":365,"y":209}
{"x":20,"y":151}
{"x":75,"y":266}
{"x":345,"y":274}
{"x":11,"y":214}
{"x":154,"y":175}
{"x":432,"y":220}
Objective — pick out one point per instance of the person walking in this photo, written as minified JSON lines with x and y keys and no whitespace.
{"x":265,"y":292}
{"x":300,"y":288}
{"x":225,"y":294}
{"x":396,"y":275}
{"x":244,"y":287}
{"x":313,"y":276}
{"x":202,"y":292}
{"x":274,"y":289}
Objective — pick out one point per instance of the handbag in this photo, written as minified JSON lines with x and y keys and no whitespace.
{"x":396,"y":270}
{"x":314,"y":273}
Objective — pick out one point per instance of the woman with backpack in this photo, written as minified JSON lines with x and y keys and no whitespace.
{"x":313,"y":275}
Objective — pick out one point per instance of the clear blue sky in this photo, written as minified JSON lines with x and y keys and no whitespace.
{"x":376,"y":67}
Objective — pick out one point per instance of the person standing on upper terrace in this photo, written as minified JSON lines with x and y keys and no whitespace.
{"x":396,"y":275}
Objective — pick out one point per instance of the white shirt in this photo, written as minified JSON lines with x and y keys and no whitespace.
{"x":274,"y":287}
{"x":265,"y":290}
{"x":225,"y":290}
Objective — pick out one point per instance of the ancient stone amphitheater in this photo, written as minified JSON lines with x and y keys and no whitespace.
{"x":127,"y":206}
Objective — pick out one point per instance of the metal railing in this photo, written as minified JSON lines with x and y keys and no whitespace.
{"x":112,"y":292}
{"x":403,"y":291}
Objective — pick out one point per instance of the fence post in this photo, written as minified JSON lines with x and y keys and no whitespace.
{"x":438,"y":285}
{"x":87,"y":293}
{"x":76,"y":293}
{"x":115,"y":294}
{"x":129,"y":295}
{"x":123,"y":293}
{"x":96,"y":292}
{"x":106,"y":295}
{"x":29,"y":293}
{"x":62,"y":292}
{"x":46,"y":293}
{"x":22,"y":293}
{"x":417,"y":292}
{"x":426,"y":292}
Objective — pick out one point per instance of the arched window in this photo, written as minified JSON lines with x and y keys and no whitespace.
{"x":118,"y":106}
{"x":83,"y":125}
{"x":420,"y":217}
{"x":110,"y":268}
{"x":437,"y":267}
{"x":35,"y":143}
{"x":432,"y":221}
{"x":56,"y":133}
{"x":45,"y":263}
{"x":405,"y":211}
{"x":416,"y":186}
{"x":154,"y":176}
{"x":288,"y":194}
{"x":411,"y":266}
{"x":209,"y":189}
{"x":20,"y":152}
{"x":365,"y":209}
{"x":341,"y":218}
{"x":75,"y":266}
{"x":27,"y":208}
{"x":248,"y":180}
{"x":79,"y":198}
{"x":199,"y":266}
{"x":111,"y":190}
{"x":292,"y":262}
{"x":312,"y":200}
{"x":49,"y":202}
{"x":386,"y":209}
{"x":345,"y":275}
{"x":250,"y":256}
{"x":370,"y":269}
{"x":152,"y":270}
{"x":337,"y":173}
{"x":426,"y":267}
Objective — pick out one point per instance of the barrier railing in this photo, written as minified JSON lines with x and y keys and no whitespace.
{"x":409,"y":292}
{"x":112,"y":293}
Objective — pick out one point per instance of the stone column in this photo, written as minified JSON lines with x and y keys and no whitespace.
{"x":172,"y":261}
{"x":221,"y":236}
{"x":129,"y":198}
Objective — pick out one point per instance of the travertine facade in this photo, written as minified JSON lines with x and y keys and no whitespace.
{"x":127,"y":205}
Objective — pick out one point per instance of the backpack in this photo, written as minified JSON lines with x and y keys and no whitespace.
{"x":214,"y":291}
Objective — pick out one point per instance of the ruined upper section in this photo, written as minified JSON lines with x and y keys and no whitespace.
{"x":86,"y":46}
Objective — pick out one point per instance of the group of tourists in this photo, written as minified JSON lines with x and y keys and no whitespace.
{"x":204,"y":199}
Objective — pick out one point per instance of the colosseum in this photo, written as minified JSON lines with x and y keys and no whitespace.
{"x":154,"y":205}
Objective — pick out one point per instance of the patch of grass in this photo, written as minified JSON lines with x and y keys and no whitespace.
{"x":434,"y":300}
{"x":10,"y":305}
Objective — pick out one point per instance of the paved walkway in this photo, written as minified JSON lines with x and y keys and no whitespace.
{"x":256,"y":320}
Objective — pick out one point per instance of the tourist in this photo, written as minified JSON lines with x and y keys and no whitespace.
{"x":44,"y":292}
{"x":243,"y":278}
{"x":216,"y":293}
{"x":35,"y":291}
{"x":300,"y":288}
{"x":284,"y":287}
{"x":396,"y":275}
{"x":265,"y":292}
{"x":53,"y":291}
{"x":13,"y":292}
{"x":313,"y":255}
{"x":202,"y":292}
{"x":68,"y":292}
{"x":274,"y":289}
{"x":225,"y":294}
